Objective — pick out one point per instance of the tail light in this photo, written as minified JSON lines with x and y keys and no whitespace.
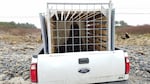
{"x":127,"y":65}
{"x":33,"y":73}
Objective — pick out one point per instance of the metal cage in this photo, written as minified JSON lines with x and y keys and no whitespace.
{"x":77,"y":27}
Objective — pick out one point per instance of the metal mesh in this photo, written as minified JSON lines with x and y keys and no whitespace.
{"x":78,"y":27}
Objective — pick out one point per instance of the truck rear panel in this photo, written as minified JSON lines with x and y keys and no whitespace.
{"x":81,"y":67}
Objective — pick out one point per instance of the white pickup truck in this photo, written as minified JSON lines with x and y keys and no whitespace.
{"x":78,"y":46}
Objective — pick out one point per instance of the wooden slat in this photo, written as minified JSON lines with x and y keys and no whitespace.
{"x":68,"y":13}
{"x":62,"y":15}
{"x":56,"y":14}
{"x":76,"y":17}
{"x":72,"y":16}
{"x":82,"y":15}
{"x":88,"y":15}
{"x":97,"y":40}
{"x":96,"y":16}
{"x":98,"y":26}
{"x":98,"y":32}
{"x":97,"y":22}
{"x":101,"y":39}
{"x":100,"y":47}
{"x":103,"y":18}
{"x":93,"y":15}
{"x":97,"y":47}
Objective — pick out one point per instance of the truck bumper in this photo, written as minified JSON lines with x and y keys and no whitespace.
{"x":116,"y":82}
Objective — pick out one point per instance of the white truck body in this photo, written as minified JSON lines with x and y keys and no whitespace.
{"x":86,"y":66}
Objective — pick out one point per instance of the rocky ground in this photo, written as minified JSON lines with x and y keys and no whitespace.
{"x":140,"y":63}
{"x":15,"y":62}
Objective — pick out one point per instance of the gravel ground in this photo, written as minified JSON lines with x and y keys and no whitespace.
{"x":140,"y":63}
{"x":15,"y":62}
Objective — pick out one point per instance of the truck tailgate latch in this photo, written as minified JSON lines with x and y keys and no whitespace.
{"x":83,"y":60}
